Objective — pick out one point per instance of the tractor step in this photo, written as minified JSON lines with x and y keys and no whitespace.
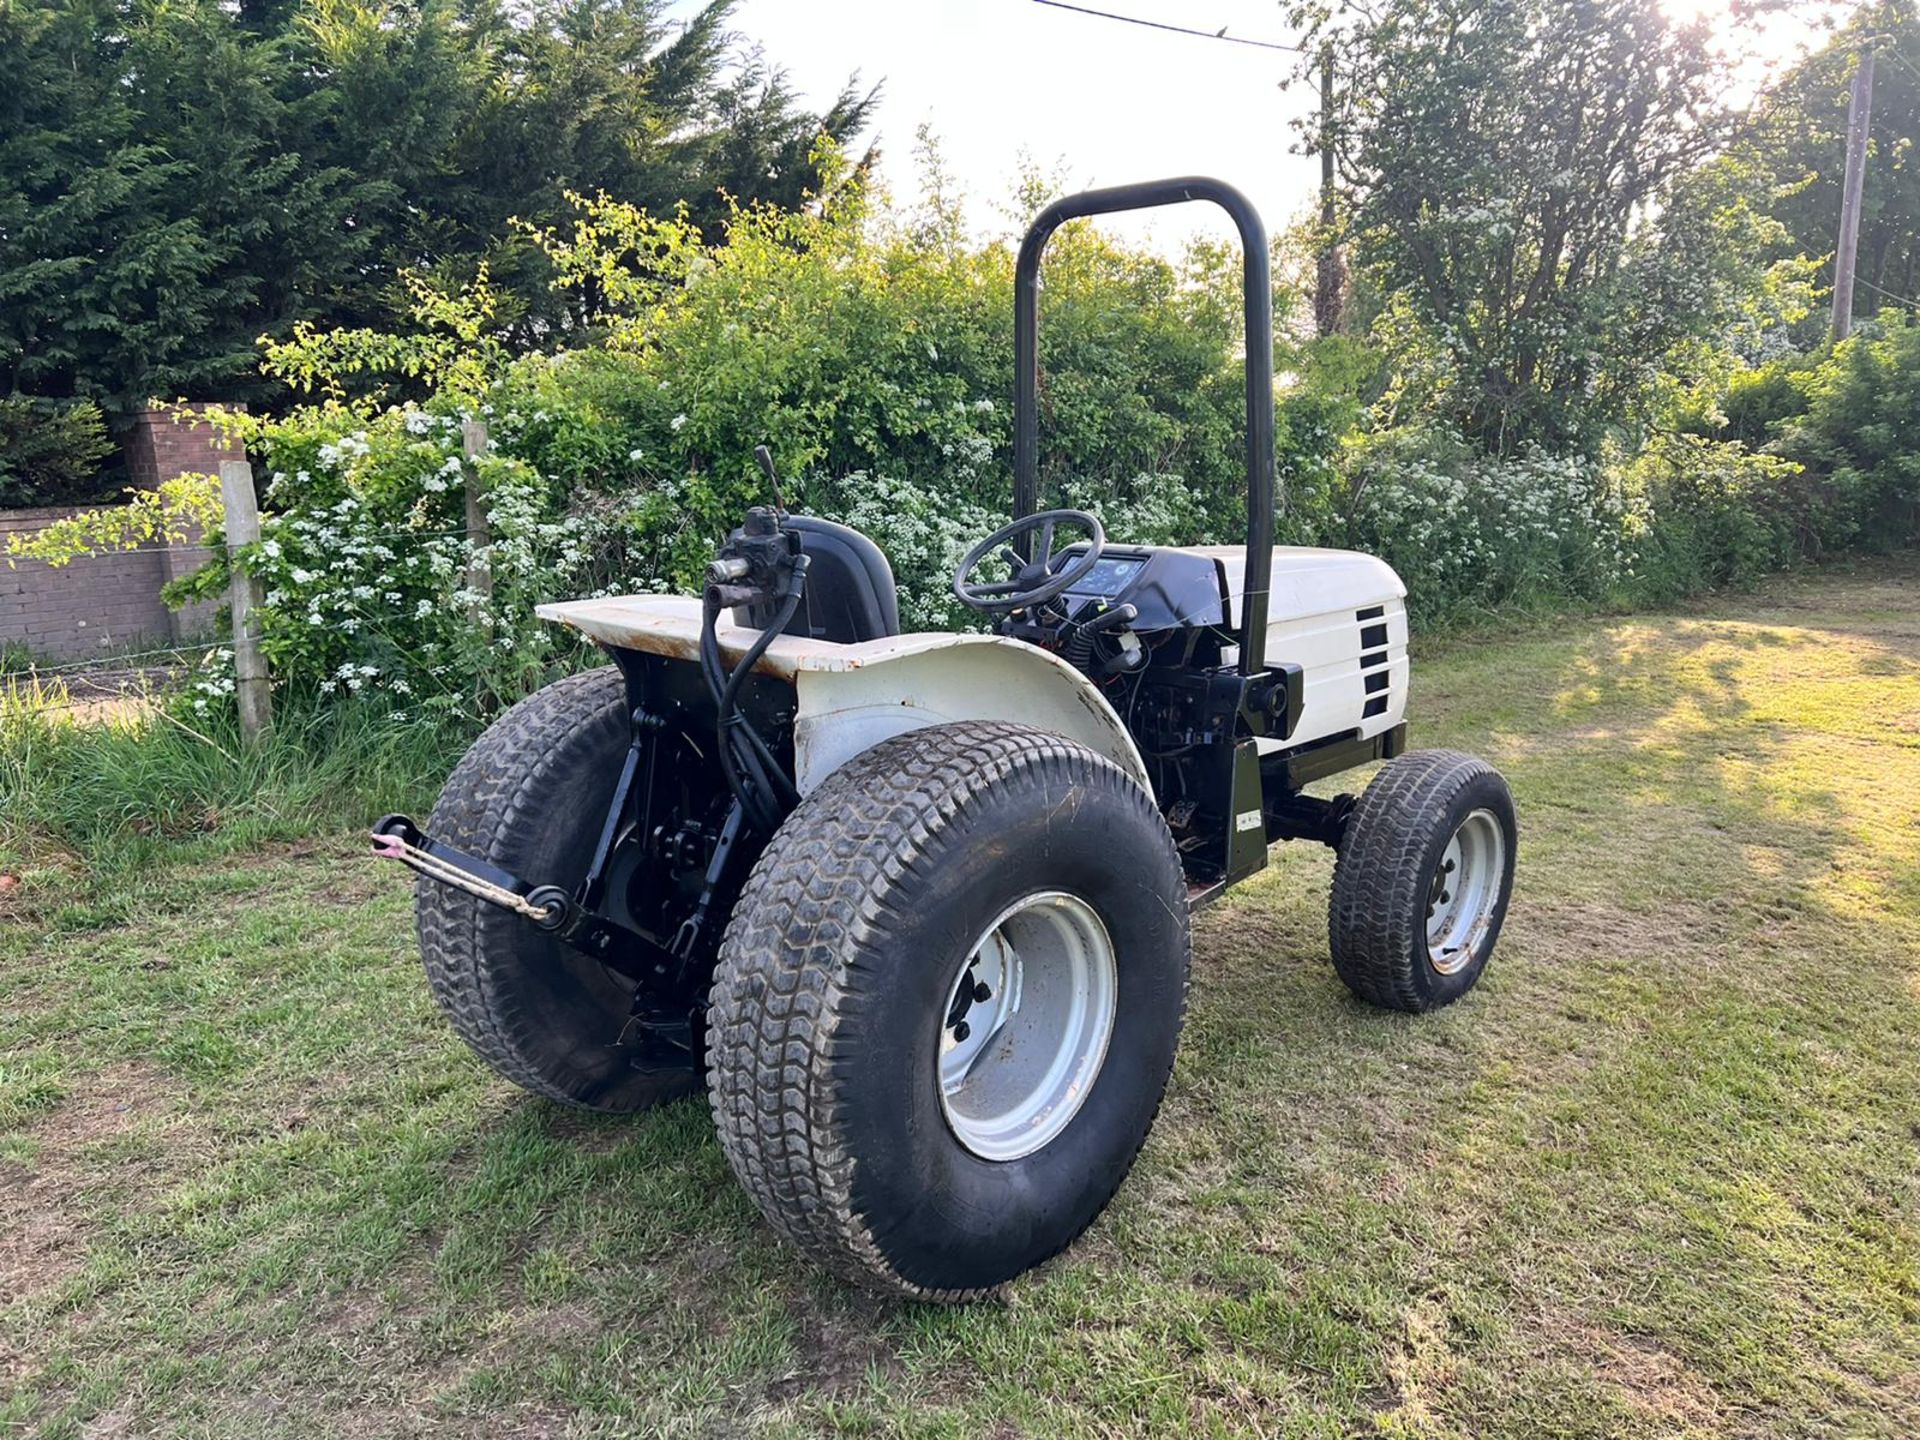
{"x":1202,"y":893}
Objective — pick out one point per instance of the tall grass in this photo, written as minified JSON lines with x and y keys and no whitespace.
{"x":117,"y":787}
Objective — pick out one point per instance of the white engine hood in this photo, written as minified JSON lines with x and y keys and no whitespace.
{"x":1306,"y":580}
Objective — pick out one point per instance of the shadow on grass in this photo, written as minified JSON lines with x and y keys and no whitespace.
{"x":1679,"y":1108}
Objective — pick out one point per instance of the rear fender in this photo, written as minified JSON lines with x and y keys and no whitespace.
{"x":851,"y":697}
{"x":971,"y":677}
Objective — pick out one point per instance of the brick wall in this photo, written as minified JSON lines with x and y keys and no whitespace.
{"x":162,"y":442}
{"x":93,"y":604}
{"x":112,"y":602}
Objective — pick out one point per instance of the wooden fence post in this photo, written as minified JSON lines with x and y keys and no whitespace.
{"x":245,"y":594}
{"x":473,"y":444}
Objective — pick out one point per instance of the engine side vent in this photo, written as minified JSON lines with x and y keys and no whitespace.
{"x":1373,"y":659}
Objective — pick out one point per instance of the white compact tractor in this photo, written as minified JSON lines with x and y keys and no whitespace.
{"x":914,"y":909}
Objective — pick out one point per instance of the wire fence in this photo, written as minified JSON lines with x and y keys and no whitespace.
{"x":107,"y":554}
{"x":35,"y":700}
{"x":41,"y":705}
{"x":200,"y":548}
{"x":134,"y":675}
{"x":108,"y":662}
{"x":133,"y":678}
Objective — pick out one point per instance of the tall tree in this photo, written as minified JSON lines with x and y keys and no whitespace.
{"x":1801,"y":136}
{"x":178,"y":177}
{"x":1522,"y":208}
{"x":87,"y":278}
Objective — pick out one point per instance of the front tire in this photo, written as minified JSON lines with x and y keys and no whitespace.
{"x":529,"y":797}
{"x":971,"y":874}
{"x":1421,"y":886}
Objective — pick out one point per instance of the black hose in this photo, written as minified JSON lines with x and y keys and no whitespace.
{"x":753,"y":773}
{"x":716,"y":678}
{"x":730,"y":714}
{"x":710,"y":666}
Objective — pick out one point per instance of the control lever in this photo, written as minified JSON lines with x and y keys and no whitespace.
{"x":1131,"y":654}
{"x":1107,"y":619}
{"x":765,"y":457}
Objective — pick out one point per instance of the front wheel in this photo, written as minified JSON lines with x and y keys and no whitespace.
{"x":1421,"y":887}
{"x":947,"y":1007}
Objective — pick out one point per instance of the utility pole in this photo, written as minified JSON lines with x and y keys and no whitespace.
{"x":1859,"y":109}
{"x":1330,"y":275}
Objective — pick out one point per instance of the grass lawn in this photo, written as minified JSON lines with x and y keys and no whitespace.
{"x":1657,"y":1176}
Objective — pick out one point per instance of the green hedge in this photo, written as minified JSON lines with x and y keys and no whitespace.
{"x":873,"y":355}
{"x":51,"y":452}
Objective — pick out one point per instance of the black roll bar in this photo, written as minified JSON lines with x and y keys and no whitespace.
{"x":1259,"y":340}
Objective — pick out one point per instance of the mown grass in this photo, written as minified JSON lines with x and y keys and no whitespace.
{"x":1656,"y":1177}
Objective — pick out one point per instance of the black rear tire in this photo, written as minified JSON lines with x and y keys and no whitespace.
{"x":1389,"y":879}
{"x":530,"y":797}
{"x":829,"y":1009}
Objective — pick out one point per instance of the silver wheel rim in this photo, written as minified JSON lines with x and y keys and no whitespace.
{"x":1464,"y":891}
{"x":1026,"y":1027}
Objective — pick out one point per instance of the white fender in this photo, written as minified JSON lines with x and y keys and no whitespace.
{"x":961,"y":677}
{"x":851,"y":697}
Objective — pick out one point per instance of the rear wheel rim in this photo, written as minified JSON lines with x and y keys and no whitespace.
{"x":1463,"y":894}
{"x":1026,"y":1027}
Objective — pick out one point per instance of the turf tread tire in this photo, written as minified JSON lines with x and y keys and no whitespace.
{"x":500,"y":804}
{"x":784,"y":986}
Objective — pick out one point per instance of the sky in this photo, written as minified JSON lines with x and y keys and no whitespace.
{"x":1104,"y":103}
{"x":1098,"y":101}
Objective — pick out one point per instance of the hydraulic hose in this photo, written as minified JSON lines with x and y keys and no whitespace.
{"x":747,"y":782}
{"x":753,"y":773}
{"x":759,"y":758}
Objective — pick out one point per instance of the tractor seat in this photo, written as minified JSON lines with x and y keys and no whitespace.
{"x":850,"y":593}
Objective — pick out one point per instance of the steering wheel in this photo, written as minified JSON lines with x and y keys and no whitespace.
{"x":1033,"y":582}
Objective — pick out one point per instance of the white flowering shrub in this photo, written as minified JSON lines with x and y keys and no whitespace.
{"x":1470,"y":532}
{"x":1147,"y":509}
{"x":874,"y":362}
{"x":368,"y":575}
{"x":924,"y":533}
{"x":926,"y":530}
{"x":210,"y":689}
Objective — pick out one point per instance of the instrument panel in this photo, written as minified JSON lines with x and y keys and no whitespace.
{"x":1170,"y":588}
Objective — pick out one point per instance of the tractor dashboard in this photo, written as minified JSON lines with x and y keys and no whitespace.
{"x":1169,"y":588}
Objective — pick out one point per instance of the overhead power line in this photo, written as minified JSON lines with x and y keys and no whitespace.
{"x":1220,"y":34}
{"x":1887,"y":44}
{"x":1880,"y":290}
